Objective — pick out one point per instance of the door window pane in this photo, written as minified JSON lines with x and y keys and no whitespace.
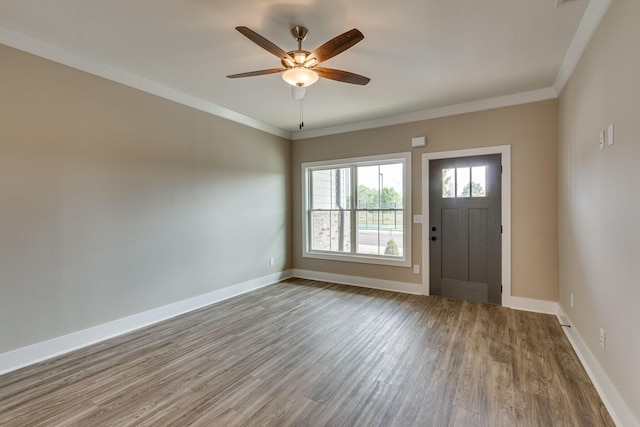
{"x":463,"y":182}
{"x":478,"y":181}
{"x":448,"y":183}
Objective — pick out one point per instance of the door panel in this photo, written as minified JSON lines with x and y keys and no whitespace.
{"x":478,"y":247}
{"x":465,"y":238}
{"x":466,"y":290}
{"x":451,"y":235}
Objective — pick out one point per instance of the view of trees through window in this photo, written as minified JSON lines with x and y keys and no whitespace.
{"x":371,"y":198}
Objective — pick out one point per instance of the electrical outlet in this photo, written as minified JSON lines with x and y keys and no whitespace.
{"x":602,"y":139}
{"x":610,"y":134}
{"x":416,"y":269}
{"x":571,"y":300}
{"x":602,"y":338}
{"x":272,"y":261}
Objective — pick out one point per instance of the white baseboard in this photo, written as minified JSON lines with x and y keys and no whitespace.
{"x":363,"y":282}
{"x":517,"y":303}
{"x":617,"y":407}
{"x":530,"y":304}
{"x":29,"y":355}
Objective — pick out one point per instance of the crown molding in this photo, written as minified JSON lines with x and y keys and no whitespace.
{"x":434,"y":113}
{"x":80,"y":62}
{"x":594,"y":13}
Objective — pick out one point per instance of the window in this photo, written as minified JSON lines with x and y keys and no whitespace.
{"x":358,"y":209}
{"x":464,"y":182}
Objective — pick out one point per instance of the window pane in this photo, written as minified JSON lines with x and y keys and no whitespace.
{"x":331,"y":189}
{"x":341,"y":231}
{"x":321,"y":231}
{"x":381,"y":186}
{"x":463,"y":184}
{"x":391,"y":233}
{"x":368,"y":242}
{"x":368,"y":187}
{"x":391,"y":196}
{"x":367,"y":237}
{"x":331,"y":231}
{"x":380,"y":233}
{"x":448,"y":183}
{"x":478,"y":178}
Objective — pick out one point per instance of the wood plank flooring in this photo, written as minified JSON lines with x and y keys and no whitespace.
{"x":305,"y":353}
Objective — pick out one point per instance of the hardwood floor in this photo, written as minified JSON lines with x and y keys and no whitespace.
{"x":304,"y":353}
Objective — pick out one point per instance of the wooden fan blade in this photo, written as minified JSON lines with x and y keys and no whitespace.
{"x":337,"y":45}
{"x":257,"y":73}
{"x":342,"y":76}
{"x":263,"y":43}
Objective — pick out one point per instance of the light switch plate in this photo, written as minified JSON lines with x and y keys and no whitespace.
{"x":602,"y":139}
{"x":610,"y":134}
{"x":417,"y":219}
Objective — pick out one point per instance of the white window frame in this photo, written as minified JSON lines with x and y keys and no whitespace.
{"x":405,"y":260}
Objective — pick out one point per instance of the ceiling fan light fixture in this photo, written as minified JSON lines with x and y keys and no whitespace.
{"x":312,"y":62}
{"x":300,"y":77}
{"x":300,"y":56}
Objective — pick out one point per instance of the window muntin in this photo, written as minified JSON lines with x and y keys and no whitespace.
{"x":355,"y":209}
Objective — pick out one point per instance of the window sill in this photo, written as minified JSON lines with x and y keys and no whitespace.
{"x":364,"y":259}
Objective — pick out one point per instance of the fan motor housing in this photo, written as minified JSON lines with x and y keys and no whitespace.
{"x":296,"y":54}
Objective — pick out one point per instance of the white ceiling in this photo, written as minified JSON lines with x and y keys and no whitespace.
{"x":419,"y":54}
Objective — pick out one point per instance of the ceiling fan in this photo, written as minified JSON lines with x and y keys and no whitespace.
{"x":300,"y":67}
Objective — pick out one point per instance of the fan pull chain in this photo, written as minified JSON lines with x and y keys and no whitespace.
{"x":301,"y":111}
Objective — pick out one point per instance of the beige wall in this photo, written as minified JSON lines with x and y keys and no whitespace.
{"x":530,"y":129}
{"x":113,"y":201}
{"x":599,"y":203}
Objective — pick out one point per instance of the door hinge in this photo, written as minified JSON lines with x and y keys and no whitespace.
{"x":500,"y":168}
{"x":500,"y":288}
{"x":500,"y":229}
